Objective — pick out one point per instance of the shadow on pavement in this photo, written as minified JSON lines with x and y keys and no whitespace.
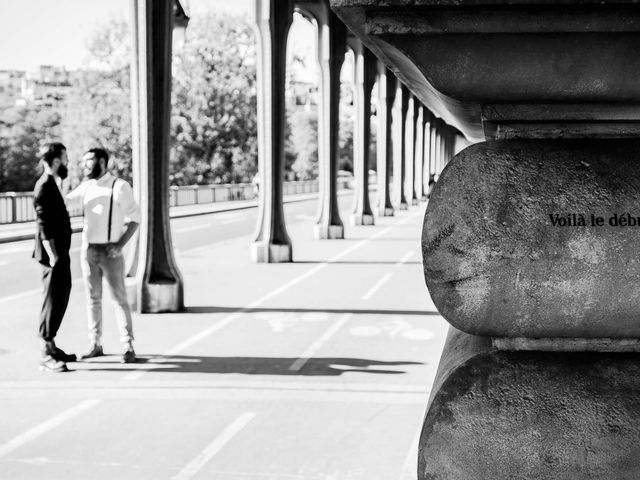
{"x":252,"y":365}
{"x":213,"y":309}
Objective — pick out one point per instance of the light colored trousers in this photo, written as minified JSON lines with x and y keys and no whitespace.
{"x":96,"y":264}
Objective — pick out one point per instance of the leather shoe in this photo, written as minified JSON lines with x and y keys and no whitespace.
{"x":129,"y":356}
{"x":51,"y":364}
{"x":94,"y":351}
{"x":62,"y":356}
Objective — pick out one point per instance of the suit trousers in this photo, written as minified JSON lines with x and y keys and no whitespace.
{"x":57,"y":288}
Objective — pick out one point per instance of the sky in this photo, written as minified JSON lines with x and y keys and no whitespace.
{"x":36,"y":32}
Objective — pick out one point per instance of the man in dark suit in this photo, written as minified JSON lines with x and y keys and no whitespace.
{"x":53,"y":241}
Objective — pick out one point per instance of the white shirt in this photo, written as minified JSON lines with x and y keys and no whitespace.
{"x":94,"y":196}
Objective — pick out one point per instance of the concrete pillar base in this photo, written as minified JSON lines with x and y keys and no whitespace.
{"x":531,"y":415}
{"x":424,"y":198}
{"x":164,"y":296}
{"x":263,"y":252}
{"x":385,"y":211}
{"x":328,"y":232}
{"x":415,"y":202}
{"x":403,"y":206}
{"x":362,"y":219}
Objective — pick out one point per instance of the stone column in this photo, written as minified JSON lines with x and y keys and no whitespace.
{"x":332,"y":44}
{"x":426,"y":173}
{"x":273,"y":19}
{"x":419,"y":154}
{"x":386,"y":95}
{"x":158,"y":283}
{"x":400,"y":110}
{"x":410,"y":149}
{"x":433,"y":153}
{"x":365,"y":74}
{"x":438,"y":151}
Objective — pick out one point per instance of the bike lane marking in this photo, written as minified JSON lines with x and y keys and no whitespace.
{"x":211,"y":450}
{"x":317,"y":345}
{"x":46,"y":426}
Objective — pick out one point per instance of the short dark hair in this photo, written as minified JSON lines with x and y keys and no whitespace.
{"x":51,"y":151}
{"x":99,"y":153}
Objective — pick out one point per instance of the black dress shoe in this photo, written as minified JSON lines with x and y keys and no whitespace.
{"x":94,"y":351}
{"x":50,"y":364}
{"x":129,"y":356}
{"x":60,"y":355}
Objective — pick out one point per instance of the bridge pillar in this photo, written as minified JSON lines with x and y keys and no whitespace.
{"x":386,"y":95}
{"x":433,"y":154}
{"x":158,"y":283}
{"x":419,"y":153}
{"x":412,"y":149}
{"x":272,"y":19}
{"x":439,"y":150}
{"x":530,"y":244}
{"x":426,"y":150}
{"x":400,"y":111}
{"x":365,"y":75}
{"x":332,"y":44}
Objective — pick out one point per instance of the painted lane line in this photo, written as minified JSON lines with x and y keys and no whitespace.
{"x":405,"y":258}
{"x":193,"y":228}
{"x":20,"y":295}
{"x":18,"y":249}
{"x":317,"y":345}
{"x":377,"y":286}
{"x":180,"y":347}
{"x":210,"y":451}
{"x":45,"y":427}
{"x":27,"y":293}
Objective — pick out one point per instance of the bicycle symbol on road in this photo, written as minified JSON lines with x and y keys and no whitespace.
{"x":279,"y":321}
{"x":393,"y":328}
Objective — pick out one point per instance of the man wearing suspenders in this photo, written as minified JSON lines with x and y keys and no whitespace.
{"x":111,"y":217}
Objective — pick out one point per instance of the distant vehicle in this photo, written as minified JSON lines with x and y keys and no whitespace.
{"x":373,"y":178}
{"x":345,"y":176}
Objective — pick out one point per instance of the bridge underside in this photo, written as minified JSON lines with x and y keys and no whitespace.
{"x":529,"y":242}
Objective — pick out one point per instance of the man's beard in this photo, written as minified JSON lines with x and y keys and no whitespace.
{"x":96,"y":171}
{"x":63,"y":171}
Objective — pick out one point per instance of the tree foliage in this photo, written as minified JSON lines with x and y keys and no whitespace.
{"x":23,"y":130}
{"x":304,"y":143}
{"x":214,"y":125}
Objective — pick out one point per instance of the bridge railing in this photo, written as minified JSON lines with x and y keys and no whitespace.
{"x":17,"y":207}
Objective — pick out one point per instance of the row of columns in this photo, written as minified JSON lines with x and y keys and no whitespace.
{"x":411,"y":141}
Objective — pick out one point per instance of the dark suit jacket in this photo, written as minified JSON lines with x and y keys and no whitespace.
{"x":53,"y":221}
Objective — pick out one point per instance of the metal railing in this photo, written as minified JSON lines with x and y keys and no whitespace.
{"x":17,"y":207}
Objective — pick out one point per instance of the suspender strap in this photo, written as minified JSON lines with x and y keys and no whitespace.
{"x":110,"y":210}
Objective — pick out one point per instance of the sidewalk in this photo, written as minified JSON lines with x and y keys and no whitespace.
{"x":15,"y":232}
{"x":318,"y":369}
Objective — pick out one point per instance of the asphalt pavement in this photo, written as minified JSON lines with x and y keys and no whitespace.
{"x":319,"y":369}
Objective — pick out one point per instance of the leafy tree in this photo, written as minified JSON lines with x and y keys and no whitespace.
{"x":24,"y":131}
{"x":304,"y":142}
{"x":98,"y":110}
{"x":214,"y":125}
